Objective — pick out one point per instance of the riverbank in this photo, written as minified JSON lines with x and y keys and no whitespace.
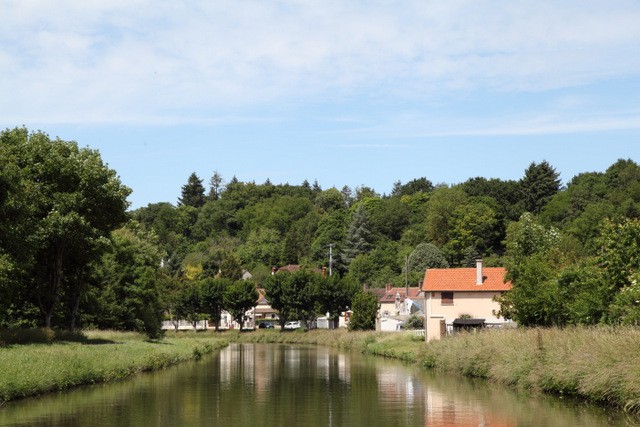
{"x":597,"y":364}
{"x":93,"y":357}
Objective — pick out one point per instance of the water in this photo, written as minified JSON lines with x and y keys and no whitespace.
{"x":285,"y":385}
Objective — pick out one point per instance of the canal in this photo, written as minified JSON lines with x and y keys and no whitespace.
{"x":292,"y":385}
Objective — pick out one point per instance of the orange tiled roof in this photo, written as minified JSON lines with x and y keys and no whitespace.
{"x":464,"y":279}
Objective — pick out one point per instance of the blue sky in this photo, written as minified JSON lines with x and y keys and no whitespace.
{"x":345,"y":92}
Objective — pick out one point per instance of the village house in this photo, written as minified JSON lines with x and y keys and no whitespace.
{"x":462,"y":298}
{"x":395,"y":307}
{"x":263,"y":310}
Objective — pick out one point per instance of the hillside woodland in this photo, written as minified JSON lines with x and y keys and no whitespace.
{"x":72,"y":254}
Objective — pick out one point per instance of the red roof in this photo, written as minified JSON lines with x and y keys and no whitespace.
{"x":389,"y":295}
{"x":464,"y":279}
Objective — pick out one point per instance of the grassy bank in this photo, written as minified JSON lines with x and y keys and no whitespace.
{"x":56,"y":364}
{"x":598,"y":364}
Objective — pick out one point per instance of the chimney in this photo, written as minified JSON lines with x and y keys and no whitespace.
{"x":389,"y":286}
{"x":479,"y":272}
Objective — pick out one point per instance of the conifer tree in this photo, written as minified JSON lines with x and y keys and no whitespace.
{"x":359,"y":236}
{"x":192,"y":192}
{"x":539,"y":184}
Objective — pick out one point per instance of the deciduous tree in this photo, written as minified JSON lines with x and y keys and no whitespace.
{"x":239,"y":298}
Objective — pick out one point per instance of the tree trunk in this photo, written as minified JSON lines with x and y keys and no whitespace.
{"x":51,"y":290}
{"x":74,"y":312}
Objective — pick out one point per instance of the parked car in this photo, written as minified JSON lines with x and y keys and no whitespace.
{"x":265,"y":325}
{"x":295,"y":324}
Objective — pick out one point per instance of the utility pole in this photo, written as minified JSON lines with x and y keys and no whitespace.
{"x":330,"y":258}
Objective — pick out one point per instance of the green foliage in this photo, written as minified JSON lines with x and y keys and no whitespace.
{"x":539,"y":184}
{"x":426,"y":255}
{"x":584,"y":293}
{"x":330,"y":200}
{"x":365,"y":309}
{"x":359,"y":238}
{"x":215,"y":186}
{"x":440,"y":212}
{"x":625,"y":307}
{"x":533,"y":262}
{"x":192,"y":192}
{"x":533,"y":299}
{"x":240,"y":297}
{"x":620,"y":253}
{"x":263,"y":246}
{"x":188,"y":303}
{"x":130,"y":297}
{"x":334,"y":295}
{"x":414,"y":322}
{"x":212,"y":294}
{"x":64,"y":202}
{"x":473,"y":225}
{"x":231,"y":267}
{"x":419,"y":185}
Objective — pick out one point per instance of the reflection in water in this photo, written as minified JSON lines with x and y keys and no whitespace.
{"x":282,"y":385}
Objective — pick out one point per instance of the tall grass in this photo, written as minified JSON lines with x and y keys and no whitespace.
{"x":601,"y":364}
{"x":37,"y":368}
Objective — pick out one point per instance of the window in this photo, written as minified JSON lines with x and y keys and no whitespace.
{"x":446,"y":298}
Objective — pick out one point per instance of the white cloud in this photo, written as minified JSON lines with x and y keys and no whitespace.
{"x":154,"y":60}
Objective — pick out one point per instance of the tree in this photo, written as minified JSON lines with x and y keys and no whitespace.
{"x":215,"y":186}
{"x":426,"y":255}
{"x":212,"y":292}
{"x":329,"y":200}
{"x":365,"y":308}
{"x":440,"y":212}
{"x":625,"y":307}
{"x":239,"y":298}
{"x":539,"y":184}
{"x":359,"y":237}
{"x":192,"y":192}
{"x":263,"y":246}
{"x":533,"y":262}
{"x":230,"y":267}
{"x":473,"y":226}
{"x":363,"y":192}
{"x":334,"y":295}
{"x":419,"y":185}
{"x":347,"y":195}
{"x":129,"y":297}
{"x":388,"y":218}
{"x":70,"y":201}
{"x":189,"y":303}
{"x":277,"y":291}
{"x":620,"y":256}
{"x":534,"y":297}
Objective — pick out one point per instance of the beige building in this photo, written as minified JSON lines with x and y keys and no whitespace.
{"x":462,"y":298}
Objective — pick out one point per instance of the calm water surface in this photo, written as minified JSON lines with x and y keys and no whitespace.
{"x":285,"y":385}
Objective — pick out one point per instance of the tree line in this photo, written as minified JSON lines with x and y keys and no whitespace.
{"x":72,"y":255}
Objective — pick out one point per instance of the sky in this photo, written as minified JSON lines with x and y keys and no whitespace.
{"x":357,"y":93}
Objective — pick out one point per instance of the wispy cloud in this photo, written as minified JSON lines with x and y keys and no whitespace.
{"x":139,"y":61}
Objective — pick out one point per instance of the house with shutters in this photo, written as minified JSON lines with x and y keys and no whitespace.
{"x":462,"y":298}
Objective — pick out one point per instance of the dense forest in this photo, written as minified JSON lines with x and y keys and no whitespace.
{"x":72,"y":255}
